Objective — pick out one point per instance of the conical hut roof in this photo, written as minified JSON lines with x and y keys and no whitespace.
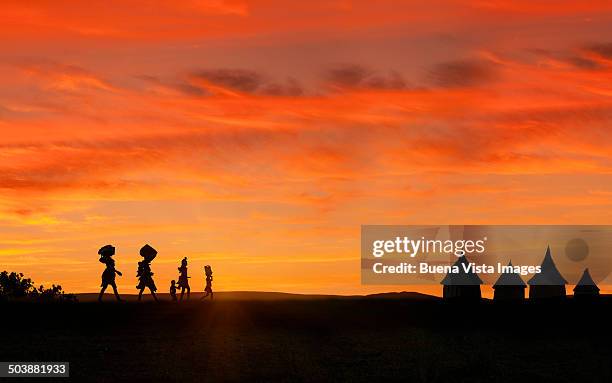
{"x":462,"y":278}
{"x":510,"y":279}
{"x":586,"y":280}
{"x":549,"y":274}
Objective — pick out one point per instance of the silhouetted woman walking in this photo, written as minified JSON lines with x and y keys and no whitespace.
{"x":209,"y":277}
{"x":183,"y":281}
{"x":144,"y":274}
{"x":108,"y":276}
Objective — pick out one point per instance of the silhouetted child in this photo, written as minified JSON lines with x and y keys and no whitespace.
{"x":173,"y":290}
{"x":144,"y":274}
{"x":183,"y":282}
{"x":209,"y":277}
{"x":108,"y":276}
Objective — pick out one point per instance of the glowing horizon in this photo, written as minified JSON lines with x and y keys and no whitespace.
{"x":257,"y":136}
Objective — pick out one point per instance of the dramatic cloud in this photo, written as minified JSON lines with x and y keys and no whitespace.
{"x":179,"y":86}
{"x":63,"y":76}
{"x":584,"y":63}
{"x":463,"y":73}
{"x":356,"y":76}
{"x":579,"y":59}
{"x":240,"y":80}
{"x":604,"y":50}
{"x":235,"y":79}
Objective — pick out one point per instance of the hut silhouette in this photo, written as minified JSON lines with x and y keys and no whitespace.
{"x":586,"y":288}
{"x":509,"y":287}
{"x":549,"y":283}
{"x":461,"y":286}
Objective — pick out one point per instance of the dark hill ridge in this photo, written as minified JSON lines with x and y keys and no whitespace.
{"x":300,"y":338}
{"x":267,"y":296}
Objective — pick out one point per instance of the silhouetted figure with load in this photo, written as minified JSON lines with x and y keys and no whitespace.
{"x":209,"y":277}
{"x":144,"y":274}
{"x":183,"y":282}
{"x":173,"y":290}
{"x":108,"y":276}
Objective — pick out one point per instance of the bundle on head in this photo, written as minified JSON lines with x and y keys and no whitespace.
{"x":107,"y":251}
{"x":148,"y":253}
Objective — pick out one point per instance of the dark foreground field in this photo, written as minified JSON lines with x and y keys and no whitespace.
{"x":353,"y":340}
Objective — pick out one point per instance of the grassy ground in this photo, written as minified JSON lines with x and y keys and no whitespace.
{"x":354,"y":340}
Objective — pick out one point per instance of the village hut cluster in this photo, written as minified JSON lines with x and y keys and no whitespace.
{"x":548,"y":284}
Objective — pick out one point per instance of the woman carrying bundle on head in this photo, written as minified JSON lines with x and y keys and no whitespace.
{"x":183,"y":281}
{"x":108,"y":276}
{"x":209,"y":277}
{"x":144,"y":274}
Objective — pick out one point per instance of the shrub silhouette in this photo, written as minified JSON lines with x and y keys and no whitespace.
{"x":15,"y":285}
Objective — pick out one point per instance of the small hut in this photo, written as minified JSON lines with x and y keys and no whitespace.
{"x":548,"y":283}
{"x":586,"y":289}
{"x":461,"y":286}
{"x":509,"y":287}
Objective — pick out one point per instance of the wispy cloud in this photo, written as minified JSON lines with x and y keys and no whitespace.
{"x":463,"y":73}
{"x":359,"y":77}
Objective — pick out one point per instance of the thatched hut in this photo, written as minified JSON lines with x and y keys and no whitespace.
{"x":549,"y":283}
{"x":462,"y":285}
{"x":586,"y":289}
{"x":509,"y":287}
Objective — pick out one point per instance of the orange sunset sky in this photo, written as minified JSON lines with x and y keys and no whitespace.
{"x":258,"y":136}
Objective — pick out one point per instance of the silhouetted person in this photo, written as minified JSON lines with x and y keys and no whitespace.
{"x":209,"y":277}
{"x":183,"y":282}
{"x":173,"y":290}
{"x":108,"y":276}
{"x":144,"y":274}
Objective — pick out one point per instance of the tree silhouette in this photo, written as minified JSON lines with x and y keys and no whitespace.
{"x":15,"y":285}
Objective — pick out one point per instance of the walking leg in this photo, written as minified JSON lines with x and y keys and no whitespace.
{"x":116,"y":293}
{"x":101,"y":293}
